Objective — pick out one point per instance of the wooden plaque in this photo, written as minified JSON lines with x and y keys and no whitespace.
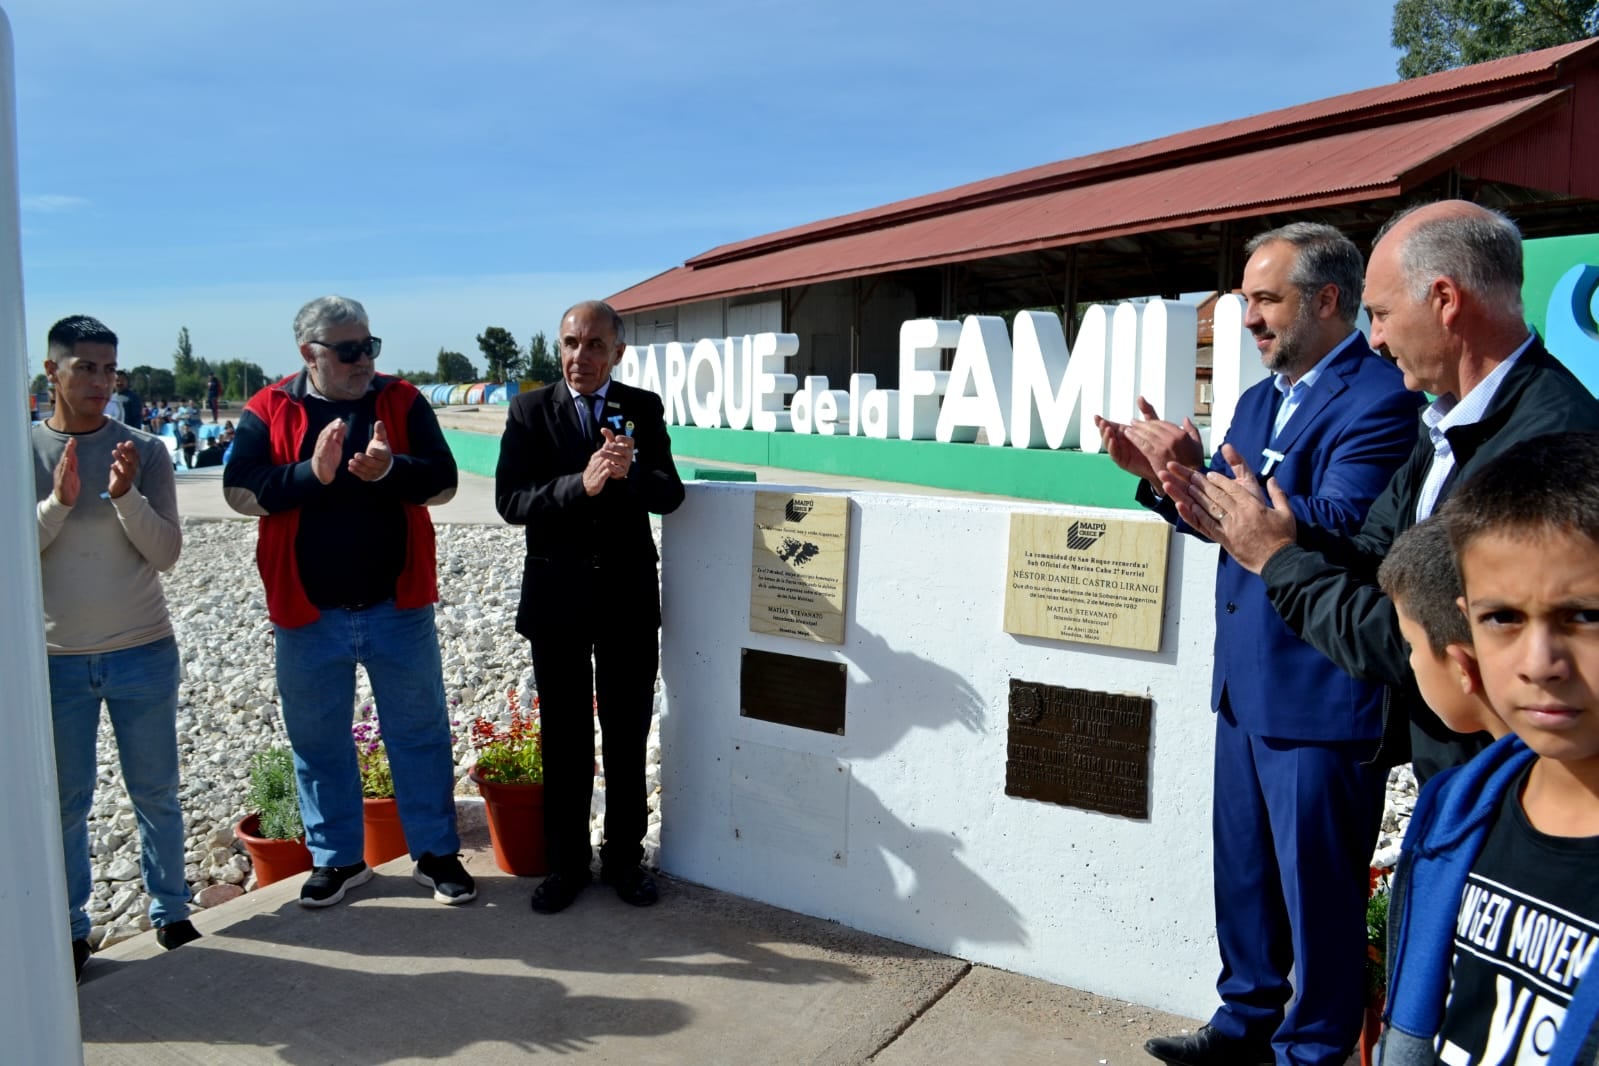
{"x":792,"y":690}
{"x":798,"y":573}
{"x":1091,"y":580}
{"x":1079,"y":748}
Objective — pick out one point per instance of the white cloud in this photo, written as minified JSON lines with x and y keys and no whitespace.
{"x":53,"y":203}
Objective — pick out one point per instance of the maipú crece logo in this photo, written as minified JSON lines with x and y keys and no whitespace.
{"x":1081,"y":535}
{"x":796,"y":509}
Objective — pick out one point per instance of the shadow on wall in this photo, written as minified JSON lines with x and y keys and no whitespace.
{"x":936,"y":898}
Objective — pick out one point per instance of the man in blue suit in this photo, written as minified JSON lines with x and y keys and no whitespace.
{"x":1296,"y":805}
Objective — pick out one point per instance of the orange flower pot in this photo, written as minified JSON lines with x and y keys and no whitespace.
{"x":273,"y":860}
{"x":516,"y":825}
{"x":385,"y":837}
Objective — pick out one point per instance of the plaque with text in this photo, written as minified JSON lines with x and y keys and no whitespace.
{"x":1079,"y":748}
{"x":792,"y":690}
{"x":798,"y":573}
{"x":1092,"y":580}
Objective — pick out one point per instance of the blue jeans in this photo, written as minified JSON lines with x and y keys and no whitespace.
{"x":316,"y":685}
{"x":139,"y":687}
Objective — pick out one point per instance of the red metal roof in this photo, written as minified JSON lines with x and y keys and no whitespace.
{"x":1358,"y":146}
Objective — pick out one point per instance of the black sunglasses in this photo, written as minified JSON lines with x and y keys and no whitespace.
{"x":354,"y":351}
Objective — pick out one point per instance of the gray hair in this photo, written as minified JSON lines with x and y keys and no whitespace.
{"x":325,"y":313}
{"x":1480,"y":250}
{"x":597,"y":307}
{"x":1326,"y":257}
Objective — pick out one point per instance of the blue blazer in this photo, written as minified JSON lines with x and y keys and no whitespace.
{"x":1355,"y":428}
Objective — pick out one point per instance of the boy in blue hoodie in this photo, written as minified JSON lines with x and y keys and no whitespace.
{"x":1494,"y":918}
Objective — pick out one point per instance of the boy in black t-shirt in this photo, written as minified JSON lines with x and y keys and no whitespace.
{"x":1494,"y":920}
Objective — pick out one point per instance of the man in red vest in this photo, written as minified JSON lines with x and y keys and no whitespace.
{"x":341,"y":463}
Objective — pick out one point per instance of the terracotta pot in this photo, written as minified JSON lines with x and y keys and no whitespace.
{"x":516,"y":825}
{"x":1370,"y":1031}
{"x":385,"y":838}
{"x":273,"y":859}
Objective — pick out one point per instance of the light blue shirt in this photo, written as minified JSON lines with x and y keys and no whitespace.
{"x":1294,"y":394}
{"x":594,"y":402}
{"x":1446,"y":413}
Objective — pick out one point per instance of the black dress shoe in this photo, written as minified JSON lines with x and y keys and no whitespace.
{"x":1210,"y":1048}
{"x":80,"y":957}
{"x":176,"y":934}
{"x":632,"y":886}
{"x":557,"y":892}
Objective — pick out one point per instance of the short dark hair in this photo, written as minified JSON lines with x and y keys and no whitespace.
{"x":1419,"y":575}
{"x":79,"y":329}
{"x":1543,"y":484}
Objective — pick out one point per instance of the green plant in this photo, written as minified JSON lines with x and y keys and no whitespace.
{"x":377,"y":779}
{"x":273,"y":795}
{"x":1377,"y":941}
{"x":512,"y":754}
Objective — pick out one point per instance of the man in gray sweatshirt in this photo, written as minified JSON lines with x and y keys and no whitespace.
{"x":108,"y":525}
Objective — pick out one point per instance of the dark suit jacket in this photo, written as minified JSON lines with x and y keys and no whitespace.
{"x":577,"y":544}
{"x":1325,"y":585}
{"x":1341,"y":445}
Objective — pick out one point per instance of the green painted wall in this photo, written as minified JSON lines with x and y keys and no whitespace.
{"x":1034,"y":474}
{"x":1544,"y":261}
{"x":476,"y":453}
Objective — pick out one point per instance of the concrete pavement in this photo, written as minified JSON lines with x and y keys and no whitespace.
{"x":390,"y":977}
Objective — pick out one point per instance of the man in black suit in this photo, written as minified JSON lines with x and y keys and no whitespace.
{"x":582,"y":463}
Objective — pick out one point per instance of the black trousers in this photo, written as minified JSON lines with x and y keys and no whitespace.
{"x":580,"y":665}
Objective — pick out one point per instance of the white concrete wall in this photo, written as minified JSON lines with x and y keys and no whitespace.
{"x":38,"y":1005}
{"x":901,"y":827}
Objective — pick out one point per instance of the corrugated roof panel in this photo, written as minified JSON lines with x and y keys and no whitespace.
{"x":1332,"y":169}
{"x":1451,"y":86}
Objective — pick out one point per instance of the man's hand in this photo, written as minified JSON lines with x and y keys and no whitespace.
{"x":124,"y":464}
{"x":1233,"y":511}
{"x":66,"y":476}
{"x":376,"y":460}
{"x":329,"y":450}
{"x":1147,"y":447}
{"x":613,"y":459}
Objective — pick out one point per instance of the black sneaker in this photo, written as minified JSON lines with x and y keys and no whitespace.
{"x":327,"y":884}
{"x":445,"y":875}
{"x":176,"y":934}
{"x":80,"y":957}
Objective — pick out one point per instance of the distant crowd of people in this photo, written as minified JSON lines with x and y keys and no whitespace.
{"x":1408,"y":525}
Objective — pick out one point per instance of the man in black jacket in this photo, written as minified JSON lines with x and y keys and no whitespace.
{"x":583,"y":462}
{"x":1444,"y":291}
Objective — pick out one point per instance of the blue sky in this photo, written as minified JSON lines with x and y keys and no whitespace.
{"x":460,"y":165}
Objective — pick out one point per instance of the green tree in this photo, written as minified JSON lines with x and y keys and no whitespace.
{"x":40,"y":386}
{"x":188,"y":371}
{"x":418,"y":377}
{"x":152,"y":383}
{"x":1444,"y":34}
{"x":240,"y":379}
{"x":454,"y":369}
{"x":541,"y":363}
{"x":504,"y":358}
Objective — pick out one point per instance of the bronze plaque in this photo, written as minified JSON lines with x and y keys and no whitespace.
{"x":792,"y":690}
{"x":1079,"y":748}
